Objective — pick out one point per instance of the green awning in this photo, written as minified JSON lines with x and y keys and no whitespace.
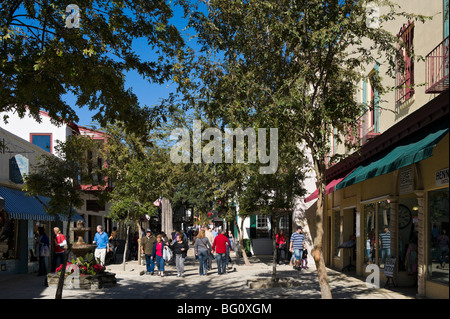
{"x":411,"y":151}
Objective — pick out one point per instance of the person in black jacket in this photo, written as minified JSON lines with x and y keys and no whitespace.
{"x":180,"y":249}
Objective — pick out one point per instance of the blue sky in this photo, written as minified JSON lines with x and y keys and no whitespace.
{"x":147,"y":93}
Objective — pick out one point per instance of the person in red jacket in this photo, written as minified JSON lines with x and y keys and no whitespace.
{"x":220,"y":247}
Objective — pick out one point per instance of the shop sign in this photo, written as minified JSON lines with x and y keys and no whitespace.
{"x":406,"y":180}
{"x":389,"y":267}
{"x":442,"y":177}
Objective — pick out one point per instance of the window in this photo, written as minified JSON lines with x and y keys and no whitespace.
{"x":377,"y":236}
{"x":43,"y":140}
{"x":8,"y":231}
{"x":374,"y":108}
{"x":438,"y":240}
{"x":405,"y":73}
{"x":94,"y":205}
{"x":262,"y":226}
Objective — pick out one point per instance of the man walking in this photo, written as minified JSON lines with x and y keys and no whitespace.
{"x":102,"y":241}
{"x":210,"y":236}
{"x":297,"y":245}
{"x":220,"y":246}
{"x":147,"y":243}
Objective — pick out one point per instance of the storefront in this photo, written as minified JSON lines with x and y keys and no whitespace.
{"x":20,"y":217}
{"x":395,"y":205}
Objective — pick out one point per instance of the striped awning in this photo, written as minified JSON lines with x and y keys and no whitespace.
{"x":75,"y":216}
{"x":20,"y":206}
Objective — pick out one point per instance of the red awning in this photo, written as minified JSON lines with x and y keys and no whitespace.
{"x":328,"y":189}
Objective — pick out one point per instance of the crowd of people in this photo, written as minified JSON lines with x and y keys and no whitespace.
{"x":208,"y":243}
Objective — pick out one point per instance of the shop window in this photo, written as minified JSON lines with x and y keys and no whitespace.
{"x":438,"y":241}
{"x":377,"y":236}
{"x":7,"y":237}
{"x":337,"y":233}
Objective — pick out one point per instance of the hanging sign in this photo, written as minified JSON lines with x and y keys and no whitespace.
{"x":406,"y":180}
{"x":18,"y":168}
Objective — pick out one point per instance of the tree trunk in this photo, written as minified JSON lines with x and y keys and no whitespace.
{"x":317,"y":252}
{"x":166,"y":217}
{"x":241,"y":242}
{"x":139,"y":241}
{"x":59,"y":289}
{"x":274,"y":240}
{"x":125,"y":249}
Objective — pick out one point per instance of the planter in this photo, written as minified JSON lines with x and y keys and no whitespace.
{"x":106,"y":280}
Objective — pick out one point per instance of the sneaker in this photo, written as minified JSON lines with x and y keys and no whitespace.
{"x":162,"y":274}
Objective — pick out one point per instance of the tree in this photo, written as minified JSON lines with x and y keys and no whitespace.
{"x":133,"y":170}
{"x":43,"y":57}
{"x":59,"y":177}
{"x":294,"y":65}
{"x":273,"y":194}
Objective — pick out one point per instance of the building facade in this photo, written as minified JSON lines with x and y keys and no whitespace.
{"x":391,"y":197}
{"x":46,"y":135}
{"x":21,"y":215}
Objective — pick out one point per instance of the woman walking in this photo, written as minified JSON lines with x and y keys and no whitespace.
{"x":281,"y":246}
{"x":180,"y":248}
{"x":157,"y":254}
{"x":42,"y":250}
{"x":202,"y":248}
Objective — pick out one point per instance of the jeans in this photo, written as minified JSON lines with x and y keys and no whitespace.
{"x":385,"y":253}
{"x":281,"y":255}
{"x":298,"y":254}
{"x":150,"y":263}
{"x":160,"y":263}
{"x":203,"y":262}
{"x":221,"y":263}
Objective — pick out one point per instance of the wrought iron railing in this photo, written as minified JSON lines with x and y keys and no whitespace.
{"x":436,"y":68}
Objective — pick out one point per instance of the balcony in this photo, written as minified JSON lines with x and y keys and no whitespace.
{"x":436,"y":68}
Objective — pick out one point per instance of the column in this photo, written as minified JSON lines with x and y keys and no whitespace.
{"x":422,"y":240}
{"x":393,"y":228}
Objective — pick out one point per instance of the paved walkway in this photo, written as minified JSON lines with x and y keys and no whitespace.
{"x":132,"y":285}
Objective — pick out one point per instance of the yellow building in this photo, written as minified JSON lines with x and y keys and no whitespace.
{"x":392,"y":196}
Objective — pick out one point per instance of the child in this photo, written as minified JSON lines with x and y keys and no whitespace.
{"x":304,"y":263}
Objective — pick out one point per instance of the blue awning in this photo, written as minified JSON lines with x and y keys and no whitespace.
{"x":20,"y":206}
{"x":75,"y":216}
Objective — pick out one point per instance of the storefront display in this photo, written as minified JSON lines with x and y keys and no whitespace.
{"x":377,"y":236}
{"x":7,"y":237}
